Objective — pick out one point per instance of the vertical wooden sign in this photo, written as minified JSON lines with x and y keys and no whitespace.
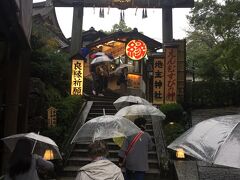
{"x":171,"y":75}
{"x":158,"y":80}
{"x":77,"y":77}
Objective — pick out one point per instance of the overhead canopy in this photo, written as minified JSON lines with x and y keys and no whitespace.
{"x":124,"y":4}
{"x":118,"y":40}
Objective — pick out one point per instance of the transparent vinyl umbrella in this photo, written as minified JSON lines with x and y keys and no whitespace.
{"x":124,"y":101}
{"x":139,"y":110}
{"x":105,"y":127}
{"x":41,"y":144}
{"x":122,"y":66}
{"x":215,"y":140}
{"x":101,"y":59}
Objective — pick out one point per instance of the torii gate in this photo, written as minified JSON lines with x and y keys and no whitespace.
{"x":78,"y":5}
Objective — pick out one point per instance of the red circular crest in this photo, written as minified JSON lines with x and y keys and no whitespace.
{"x":136,"y":49}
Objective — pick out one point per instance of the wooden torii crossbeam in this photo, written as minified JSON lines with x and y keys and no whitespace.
{"x":124,"y":4}
{"x":166,"y":5}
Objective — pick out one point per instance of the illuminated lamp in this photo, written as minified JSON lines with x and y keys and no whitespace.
{"x":180,"y":153}
{"x":48,"y":155}
{"x":136,"y":49}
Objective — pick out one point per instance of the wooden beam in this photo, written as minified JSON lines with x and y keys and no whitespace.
{"x":131,"y":4}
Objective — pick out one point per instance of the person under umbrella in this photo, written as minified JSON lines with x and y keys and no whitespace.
{"x":105,"y":127}
{"x":134,"y":152}
{"x":124,"y":101}
{"x":100,"y":167}
{"x":23,"y":165}
{"x":122,"y":80}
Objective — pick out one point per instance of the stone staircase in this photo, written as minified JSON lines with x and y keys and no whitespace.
{"x":79,"y":157}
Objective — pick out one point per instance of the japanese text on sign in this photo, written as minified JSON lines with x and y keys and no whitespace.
{"x":136,"y":49}
{"x":52,"y":117}
{"x":77,"y":77}
{"x":171,"y":75}
{"x":158,"y":81}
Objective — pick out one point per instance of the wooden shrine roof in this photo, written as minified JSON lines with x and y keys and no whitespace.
{"x":124,"y":37}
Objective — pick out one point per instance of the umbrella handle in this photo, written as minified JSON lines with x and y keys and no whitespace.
{"x":34,"y":145}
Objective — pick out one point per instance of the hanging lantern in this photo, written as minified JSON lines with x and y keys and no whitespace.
{"x":136,"y":49}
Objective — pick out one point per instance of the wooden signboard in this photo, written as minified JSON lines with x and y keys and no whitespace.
{"x":52,"y":117}
{"x":158,"y":80}
{"x":171,"y":75}
{"x":77,"y":77}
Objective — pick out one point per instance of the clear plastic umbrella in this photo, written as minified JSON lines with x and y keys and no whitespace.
{"x":138,"y":110}
{"x":101,"y":59}
{"x":215,"y":140}
{"x":105,"y":127}
{"x":122,"y":66}
{"x":41,"y":143}
{"x":124,"y":101}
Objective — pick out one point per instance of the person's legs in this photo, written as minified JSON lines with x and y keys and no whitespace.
{"x":139,"y":175}
{"x":100,"y":86}
{"x":105,"y":83}
{"x":94,"y":84}
{"x":128,"y":175}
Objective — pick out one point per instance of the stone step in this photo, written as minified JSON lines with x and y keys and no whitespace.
{"x":71,"y":171}
{"x":100,"y":110}
{"x":99,"y":103}
{"x":111,"y":145}
{"x":81,"y":161}
{"x":112,"y":153}
{"x":93,"y":115}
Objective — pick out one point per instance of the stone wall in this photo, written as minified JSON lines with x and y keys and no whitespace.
{"x":207,"y":171}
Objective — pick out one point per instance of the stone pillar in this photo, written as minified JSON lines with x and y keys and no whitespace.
{"x":167,"y":28}
{"x":76,"y":40}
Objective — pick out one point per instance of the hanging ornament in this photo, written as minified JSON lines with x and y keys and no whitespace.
{"x":101,"y":13}
{"x":143,"y":14}
{"x":120,"y":15}
{"x":108,"y":9}
{"x":136,"y":11}
{"x":146,"y":13}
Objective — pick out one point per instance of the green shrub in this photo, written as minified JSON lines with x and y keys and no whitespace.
{"x":207,"y":94}
{"x":172,"y":131}
{"x":173,"y":112}
{"x":67,"y":110}
{"x":55,"y":134}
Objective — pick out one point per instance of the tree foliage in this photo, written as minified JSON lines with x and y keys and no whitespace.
{"x":121,"y":26}
{"x":50,"y":64}
{"x":213,"y":44}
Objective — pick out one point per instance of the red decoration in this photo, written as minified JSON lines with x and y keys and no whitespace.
{"x":136,"y":49}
